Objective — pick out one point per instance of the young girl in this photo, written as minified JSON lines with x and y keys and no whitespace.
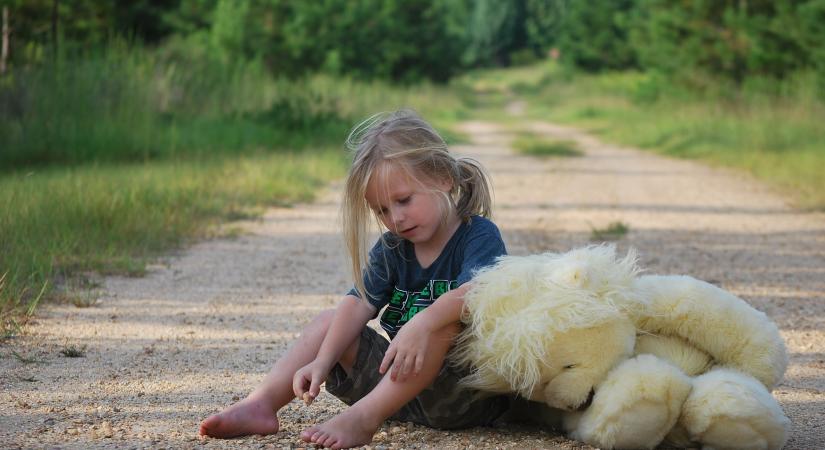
{"x":433,"y":206}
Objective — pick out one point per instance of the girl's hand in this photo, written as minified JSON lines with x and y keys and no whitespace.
{"x":306,"y":384}
{"x":406,"y":352}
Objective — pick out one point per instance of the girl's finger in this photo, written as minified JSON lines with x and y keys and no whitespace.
{"x":388,"y":359}
{"x":409,"y":362}
{"x":296,"y":388}
{"x":315,"y":386}
{"x":403,"y":368}
{"x":298,"y":385}
{"x":396,"y":367}
{"x":419,"y":364}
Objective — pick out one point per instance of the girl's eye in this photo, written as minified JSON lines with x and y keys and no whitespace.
{"x":405,"y":200}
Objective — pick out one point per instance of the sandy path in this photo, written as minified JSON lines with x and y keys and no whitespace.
{"x":202,"y":328}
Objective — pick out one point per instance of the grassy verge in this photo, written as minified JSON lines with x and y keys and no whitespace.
{"x":116,"y":156}
{"x":773,"y":130}
{"x":533,"y":145}
{"x":58,"y":223}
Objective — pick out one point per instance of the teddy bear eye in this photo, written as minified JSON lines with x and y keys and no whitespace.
{"x":571,"y":366}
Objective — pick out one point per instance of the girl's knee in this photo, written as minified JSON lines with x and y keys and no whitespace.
{"x":321,"y":322}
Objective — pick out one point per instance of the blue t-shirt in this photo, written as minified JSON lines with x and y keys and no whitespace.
{"x":395,"y":279}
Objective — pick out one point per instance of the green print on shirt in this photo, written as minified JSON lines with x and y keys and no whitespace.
{"x":404,"y":305}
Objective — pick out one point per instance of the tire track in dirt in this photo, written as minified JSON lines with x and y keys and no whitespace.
{"x":203,"y":327}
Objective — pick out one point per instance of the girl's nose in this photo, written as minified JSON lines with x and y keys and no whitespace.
{"x":396,"y":216}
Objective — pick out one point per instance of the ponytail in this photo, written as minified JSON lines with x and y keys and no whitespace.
{"x":473,"y":190}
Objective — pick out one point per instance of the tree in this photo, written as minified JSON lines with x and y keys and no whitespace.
{"x":594,"y":35}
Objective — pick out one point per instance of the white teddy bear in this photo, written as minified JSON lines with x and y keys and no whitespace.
{"x":628,"y":361}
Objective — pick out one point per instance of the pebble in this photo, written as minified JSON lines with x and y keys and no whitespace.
{"x":106,"y":429}
{"x":396,"y":430}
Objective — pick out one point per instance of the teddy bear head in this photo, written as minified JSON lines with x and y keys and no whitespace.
{"x":549,"y":327}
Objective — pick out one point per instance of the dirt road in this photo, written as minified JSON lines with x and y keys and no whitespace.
{"x":201,"y":329}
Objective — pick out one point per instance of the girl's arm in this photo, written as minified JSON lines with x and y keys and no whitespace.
{"x":444,"y":311}
{"x":406,"y":352}
{"x":350,"y":318}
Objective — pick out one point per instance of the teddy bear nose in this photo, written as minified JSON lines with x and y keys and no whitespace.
{"x":587,"y":402}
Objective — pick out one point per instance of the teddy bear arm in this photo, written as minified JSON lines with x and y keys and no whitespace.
{"x":635,"y":407}
{"x":730,"y":409}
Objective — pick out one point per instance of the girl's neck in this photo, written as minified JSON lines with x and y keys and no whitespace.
{"x":427,"y":252}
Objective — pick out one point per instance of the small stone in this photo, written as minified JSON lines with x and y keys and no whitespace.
{"x":381,"y":447}
{"x":106,"y":429}
{"x":396,"y":430}
{"x":71,"y":431}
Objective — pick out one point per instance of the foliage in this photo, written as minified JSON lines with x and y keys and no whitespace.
{"x":594,"y":35}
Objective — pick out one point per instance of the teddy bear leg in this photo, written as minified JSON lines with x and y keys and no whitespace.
{"x":730,"y":410}
{"x":635,"y":407}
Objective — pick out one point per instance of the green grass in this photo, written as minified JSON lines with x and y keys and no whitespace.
{"x":772,"y":130}
{"x":535,"y":145}
{"x":73,"y":351}
{"x":613,"y":231}
{"x":58,"y":223}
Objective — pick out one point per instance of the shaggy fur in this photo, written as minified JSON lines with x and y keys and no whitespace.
{"x":728,"y":409}
{"x":555,"y":327}
{"x":732,"y":332}
{"x":520,"y":308}
{"x":639,"y":385}
{"x":675,"y":350}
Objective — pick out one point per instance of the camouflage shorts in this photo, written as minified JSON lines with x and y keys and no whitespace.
{"x":444,"y":404}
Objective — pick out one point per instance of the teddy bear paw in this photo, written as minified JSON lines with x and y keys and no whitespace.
{"x":634,"y":407}
{"x":730,"y":410}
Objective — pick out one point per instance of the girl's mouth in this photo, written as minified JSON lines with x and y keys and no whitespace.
{"x":408,"y":230}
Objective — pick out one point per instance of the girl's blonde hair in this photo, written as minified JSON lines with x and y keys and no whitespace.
{"x":407,"y":141}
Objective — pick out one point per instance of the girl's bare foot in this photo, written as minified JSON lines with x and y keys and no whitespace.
{"x":248,"y":416}
{"x":348,"y":429}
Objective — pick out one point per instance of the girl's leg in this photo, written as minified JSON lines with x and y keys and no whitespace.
{"x":257,"y":413}
{"x":357,"y":424}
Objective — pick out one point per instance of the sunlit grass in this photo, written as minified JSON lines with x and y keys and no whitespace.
{"x":613,"y":231}
{"x":535,"y":145}
{"x":57,"y":223}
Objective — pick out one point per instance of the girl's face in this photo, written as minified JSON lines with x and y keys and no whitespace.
{"x":406,"y":206}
